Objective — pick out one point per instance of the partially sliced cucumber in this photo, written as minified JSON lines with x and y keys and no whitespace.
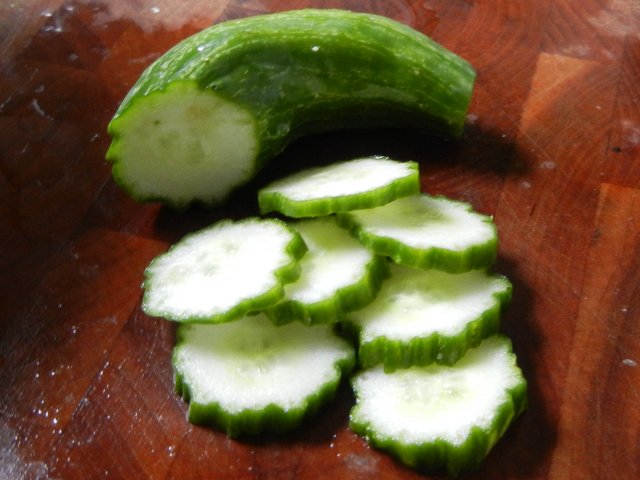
{"x":442,"y":417}
{"x":427,"y":232}
{"x":250,"y":376}
{"x":343,"y":186}
{"x":425,"y":316}
{"x":338,"y":275}
{"x":224,"y":271}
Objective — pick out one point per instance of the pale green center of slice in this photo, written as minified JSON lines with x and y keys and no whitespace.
{"x":185,"y":143}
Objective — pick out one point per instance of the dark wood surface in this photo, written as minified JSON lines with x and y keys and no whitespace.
{"x":551,"y":150}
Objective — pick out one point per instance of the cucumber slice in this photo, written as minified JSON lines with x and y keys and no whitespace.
{"x":250,"y":376}
{"x":442,"y":417}
{"x":213,"y":110}
{"x":351,"y":185}
{"x":338,"y":275}
{"x":224,"y":271}
{"x":425,"y":316}
{"x":427,"y":232}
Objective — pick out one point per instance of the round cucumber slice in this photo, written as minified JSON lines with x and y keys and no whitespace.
{"x":343,"y":186}
{"x":224,"y":271}
{"x":427,"y":232}
{"x":251,"y":376}
{"x":338,"y":275}
{"x":441,"y":417}
{"x":425,"y":316}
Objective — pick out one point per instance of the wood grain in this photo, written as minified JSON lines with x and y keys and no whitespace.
{"x":550,"y":149}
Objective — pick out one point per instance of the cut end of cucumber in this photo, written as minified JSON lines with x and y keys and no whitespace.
{"x":183,"y":144}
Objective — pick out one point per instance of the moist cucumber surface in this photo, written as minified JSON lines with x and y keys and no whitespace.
{"x":425,"y":316}
{"x":209,"y":113}
{"x":343,"y":186}
{"x":222,"y":272}
{"x":250,"y":376}
{"x":338,"y":275}
{"x":426,"y":231}
{"x":442,"y":417}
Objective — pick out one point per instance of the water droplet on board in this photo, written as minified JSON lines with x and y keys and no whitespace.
{"x":628,"y":362}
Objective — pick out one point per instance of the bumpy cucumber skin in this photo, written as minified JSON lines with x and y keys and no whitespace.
{"x":311,"y":70}
{"x":296,"y":249}
{"x":436,"y":348}
{"x":272,"y":419}
{"x":478,"y":257}
{"x":433,"y":457}
{"x":272,"y":201}
{"x":334,"y":309}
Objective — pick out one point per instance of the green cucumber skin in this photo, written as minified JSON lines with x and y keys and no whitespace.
{"x":434,"y":457}
{"x":272,"y":419}
{"x":436,"y":348}
{"x":311,"y":70}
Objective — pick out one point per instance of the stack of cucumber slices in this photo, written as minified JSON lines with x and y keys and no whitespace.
{"x":367,"y":278}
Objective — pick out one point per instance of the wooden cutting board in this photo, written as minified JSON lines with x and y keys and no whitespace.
{"x":551,"y":150}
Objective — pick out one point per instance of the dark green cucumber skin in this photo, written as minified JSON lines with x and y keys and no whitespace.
{"x":311,"y":70}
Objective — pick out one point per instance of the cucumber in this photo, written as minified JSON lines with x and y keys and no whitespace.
{"x":222,"y":272}
{"x":213,"y":110}
{"x":339,"y":187}
{"x":425,"y":231}
{"x":338,"y":275}
{"x":249,"y":376}
{"x":425,"y":316}
{"x":441,"y":417}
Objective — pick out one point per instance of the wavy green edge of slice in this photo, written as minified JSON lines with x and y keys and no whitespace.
{"x":442,"y":455}
{"x":332,"y":310}
{"x":287,"y":273}
{"x":271,"y":199}
{"x":272,"y":418}
{"x":435,"y":348}
{"x":475,"y":257}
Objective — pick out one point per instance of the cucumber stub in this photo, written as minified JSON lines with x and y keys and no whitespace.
{"x":424,"y":316}
{"x":212,"y":111}
{"x":250,"y":376}
{"x":427,"y":232}
{"x":441,"y":417}
{"x":339,"y":187}
{"x":338,"y":275}
{"x":224,"y":271}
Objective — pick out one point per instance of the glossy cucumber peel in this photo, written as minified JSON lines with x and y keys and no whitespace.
{"x":341,"y":187}
{"x":427,"y":316}
{"x":442,"y":417}
{"x":207,"y":115}
{"x":220,"y":273}
{"x":249,"y":376}
{"x":424,"y":231}
{"x":338,"y":275}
